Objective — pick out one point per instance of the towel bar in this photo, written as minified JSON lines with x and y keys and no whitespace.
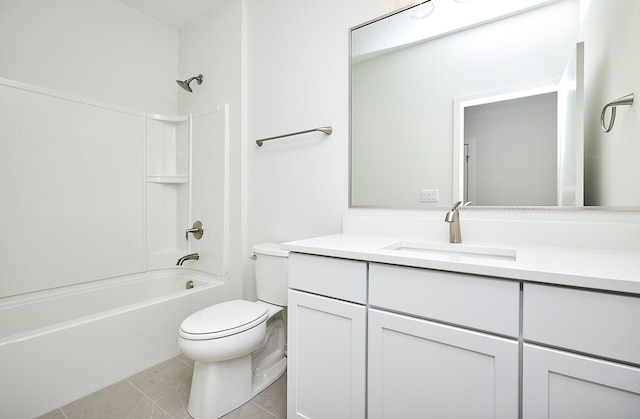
{"x":326,"y":130}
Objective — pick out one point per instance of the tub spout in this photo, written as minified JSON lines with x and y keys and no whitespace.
{"x":191,"y":256}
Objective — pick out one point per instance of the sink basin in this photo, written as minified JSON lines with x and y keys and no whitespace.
{"x":455,"y":249}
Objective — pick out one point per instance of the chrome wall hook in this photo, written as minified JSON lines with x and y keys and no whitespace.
{"x":624,"y":100}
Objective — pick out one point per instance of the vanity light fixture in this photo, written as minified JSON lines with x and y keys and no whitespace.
{"x":421,"y":9}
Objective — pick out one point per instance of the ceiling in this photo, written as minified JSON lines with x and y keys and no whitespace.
{"x":174,"y":13}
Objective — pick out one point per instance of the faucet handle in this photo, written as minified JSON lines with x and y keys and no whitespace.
{"x":451,"y":215}
{"x":459,"y":204}
{"x":197,"y":231}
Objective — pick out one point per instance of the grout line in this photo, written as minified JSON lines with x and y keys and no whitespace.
{"x":160,"y":407}
{"x":185,"y":363}
{"x":153,"y":402}
{"x":142,"y":392}
{"x":271,"y":413}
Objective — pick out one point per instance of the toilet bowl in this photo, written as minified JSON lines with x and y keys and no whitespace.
{"x":238,"y":346}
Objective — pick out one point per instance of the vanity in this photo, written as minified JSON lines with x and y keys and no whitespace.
{"x":384,"y":326}
{"x":530,"y":316}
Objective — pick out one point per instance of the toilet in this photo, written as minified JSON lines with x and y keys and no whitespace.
{"x":239,"y":346}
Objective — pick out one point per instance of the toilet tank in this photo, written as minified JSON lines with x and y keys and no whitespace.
{"x":272,"y":273}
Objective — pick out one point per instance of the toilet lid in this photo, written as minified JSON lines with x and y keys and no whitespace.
{"x":223,"y":319}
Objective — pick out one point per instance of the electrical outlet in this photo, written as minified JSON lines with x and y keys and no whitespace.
{"x":429,"y":195}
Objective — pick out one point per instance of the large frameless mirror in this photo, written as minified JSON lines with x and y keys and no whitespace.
{"x":479,"y":101}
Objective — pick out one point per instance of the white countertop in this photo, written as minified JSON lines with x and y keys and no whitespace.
{"x":587,"y":268}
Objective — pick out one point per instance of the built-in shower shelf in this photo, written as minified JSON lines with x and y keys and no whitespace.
{"x":168,"y":179}
{"x":168,"y":118}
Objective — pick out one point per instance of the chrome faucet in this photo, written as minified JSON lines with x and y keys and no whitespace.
{"x":191,"y":256}
{"x":453,"y":218}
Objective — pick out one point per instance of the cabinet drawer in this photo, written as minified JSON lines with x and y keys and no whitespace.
{"x":476,"y":302}
{"x":338,"y":278}
{"x":586,"y":321}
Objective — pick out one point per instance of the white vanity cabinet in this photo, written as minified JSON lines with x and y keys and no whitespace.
{"x":452,"y":365}
{"x":381,"y":340}
{"x":581,"y":353}
{"x":327,"y":337}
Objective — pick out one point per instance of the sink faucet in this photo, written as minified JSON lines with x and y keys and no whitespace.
{"x":191,"y":256}
{"x":453,"y":218}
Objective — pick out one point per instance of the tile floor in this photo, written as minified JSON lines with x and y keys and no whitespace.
{"x":162,"y":392}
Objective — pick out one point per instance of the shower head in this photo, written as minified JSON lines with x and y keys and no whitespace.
{"x":185,"y":84}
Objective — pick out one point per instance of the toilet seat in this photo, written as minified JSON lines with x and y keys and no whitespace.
{"x":224,"y":319}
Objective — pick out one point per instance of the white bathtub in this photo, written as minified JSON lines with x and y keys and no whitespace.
{"x":57,"y":346}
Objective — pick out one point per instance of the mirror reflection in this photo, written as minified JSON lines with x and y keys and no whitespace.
{"x":477,"y":101}
{"x":510,"y":152}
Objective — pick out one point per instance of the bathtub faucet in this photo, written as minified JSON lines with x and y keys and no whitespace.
{"x":191,"y":256}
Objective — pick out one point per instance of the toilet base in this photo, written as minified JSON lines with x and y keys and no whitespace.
{"x":225,"y":389}
{"x":270,"y":362}
{"x":269,"y":376}
{"x":220,"y":387}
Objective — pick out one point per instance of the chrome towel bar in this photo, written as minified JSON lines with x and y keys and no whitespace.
{"x":624,"y":100}
{"x":326,"y":130}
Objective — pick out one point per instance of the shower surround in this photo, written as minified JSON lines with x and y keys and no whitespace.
{"x":98,"y":201}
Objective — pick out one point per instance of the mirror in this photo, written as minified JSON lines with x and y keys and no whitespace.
{"x":479,"y":100}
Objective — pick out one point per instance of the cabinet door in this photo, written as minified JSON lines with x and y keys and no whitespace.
{"x":421,"y":369}
{"x":561,"y":385}
{"x":326,"y":358}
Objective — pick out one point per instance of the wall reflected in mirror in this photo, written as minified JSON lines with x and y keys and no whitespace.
{"x":510,"y":152}
{"x":417,"y":84}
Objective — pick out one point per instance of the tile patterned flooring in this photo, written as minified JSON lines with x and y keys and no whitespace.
{"x":162,"y":392}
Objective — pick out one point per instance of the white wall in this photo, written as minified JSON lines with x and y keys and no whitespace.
{"x":106,"y":51}
{"x":513,"y":156}
{"x":213,"y":45}
{"x":72,"y":170}
{"x":298,"y":78}
{"x":96,"y":49}
{"x":71,"y":183}
{"x":298,"y":66}
{"x":611,"y":31}
{"x":296,"y":59}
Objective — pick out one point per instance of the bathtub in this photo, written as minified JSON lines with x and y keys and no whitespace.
{"x":59,"y":345}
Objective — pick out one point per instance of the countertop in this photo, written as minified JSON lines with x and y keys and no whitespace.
{"x":617,"y":271}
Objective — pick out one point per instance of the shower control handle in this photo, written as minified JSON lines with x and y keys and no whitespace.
{"x":196,"y":230}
